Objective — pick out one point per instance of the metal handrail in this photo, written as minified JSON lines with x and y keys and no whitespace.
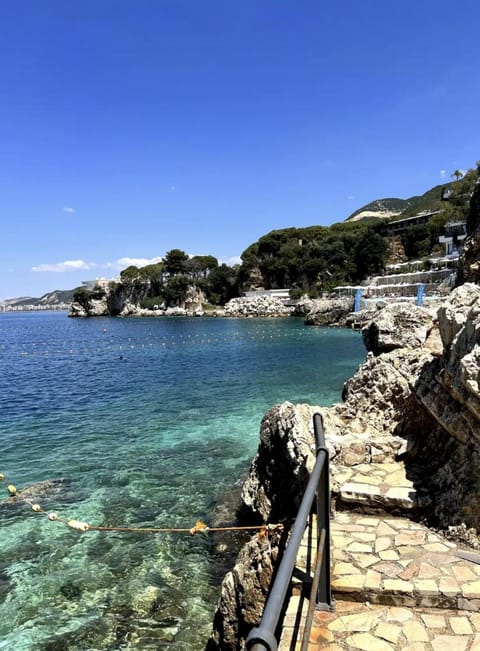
{"x":262,"y":637}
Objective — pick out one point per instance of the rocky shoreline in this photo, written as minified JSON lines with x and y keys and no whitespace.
{"x":315,"y":311}
{"x":415,"y":400}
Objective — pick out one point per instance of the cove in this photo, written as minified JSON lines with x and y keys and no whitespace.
{"x":150,"y":422}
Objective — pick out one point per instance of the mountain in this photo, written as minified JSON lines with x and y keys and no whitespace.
{"x":379,"y":209}
{"x":58,"y":299}
{"x":401,"y":208}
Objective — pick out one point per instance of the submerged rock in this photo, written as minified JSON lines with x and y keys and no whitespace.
{"x":145,"y":602}
{"x":42,"y":490}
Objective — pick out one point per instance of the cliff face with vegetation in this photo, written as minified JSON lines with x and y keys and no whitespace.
{"x":179,"y":284}
{"x":309,"y":260}
{"x":315,"y":259}
{"x":134,"y":299}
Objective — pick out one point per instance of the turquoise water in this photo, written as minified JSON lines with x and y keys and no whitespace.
{"x":151,"y":423}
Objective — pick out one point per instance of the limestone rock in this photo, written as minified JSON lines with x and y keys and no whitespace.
{"x":125,"y":299}
{"x":95,"y":307}
{"x":280,"y":470}
{"x":362,"y":318}
{"x":303,"y":306}
{"x":77,"y":310}
{"x":128,"y":309}
{"x":243,"y":593}
{"x":397,"y":325}
{"x":453,"y":314}
{"x":419,"y":400}
{"x":256,"y":306}
{"x":329,"y":311}
{"x":175,"y":311}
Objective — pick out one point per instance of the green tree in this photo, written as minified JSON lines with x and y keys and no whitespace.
{"x":222,"y":284}
{"x":201,"y":265}
{"x":418,"y":241}
{"x":457,"y":207}
{"x":130,"y":273}
{"x":175,"y":289}
{"x":370,"y":254}
{"x":175,"y":261}
{"x":82,"y":295}
{"x":152,"y":272}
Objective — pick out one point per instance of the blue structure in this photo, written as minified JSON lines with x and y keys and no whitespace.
{"x":420,"y":293}
{"x":358,"y":298}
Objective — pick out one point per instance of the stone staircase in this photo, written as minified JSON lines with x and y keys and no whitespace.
{"x":397,"y":584}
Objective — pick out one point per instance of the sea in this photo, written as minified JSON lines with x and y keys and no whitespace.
{"x":137,"y":423}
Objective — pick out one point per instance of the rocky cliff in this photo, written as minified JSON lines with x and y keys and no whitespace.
{"x":126,"y":299}
{"x":469,"y":267}
{"x":416,"y":398}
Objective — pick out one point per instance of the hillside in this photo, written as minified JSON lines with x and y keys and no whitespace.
{"x":311,"y":259}
{"x":400,"y":208}
{"x":379,"y":209}
{"x":57,"y":298}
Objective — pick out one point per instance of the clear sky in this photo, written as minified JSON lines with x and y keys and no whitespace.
{"x":130,"y":127}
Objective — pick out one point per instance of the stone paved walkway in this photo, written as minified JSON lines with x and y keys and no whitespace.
{"x":397,"y":561}
{"x":397,"y":584}
{"x":375,"y":486}
{"x":369,"y":627}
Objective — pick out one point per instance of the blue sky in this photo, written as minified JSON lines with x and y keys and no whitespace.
{"x":128,"y":128}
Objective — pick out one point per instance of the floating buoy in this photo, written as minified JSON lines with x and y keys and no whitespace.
{"x":11,"y":489}
{"x":78,"y":525}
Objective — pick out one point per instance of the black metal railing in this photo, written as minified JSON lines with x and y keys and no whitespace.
{"x":262,"y":637}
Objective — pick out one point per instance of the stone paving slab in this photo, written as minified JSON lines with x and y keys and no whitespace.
{"x":370,"y":627}
{"x":395,"y":561}
{"x":374,"y":486}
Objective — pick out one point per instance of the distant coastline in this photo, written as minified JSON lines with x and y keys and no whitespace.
{"x":61,"y":307}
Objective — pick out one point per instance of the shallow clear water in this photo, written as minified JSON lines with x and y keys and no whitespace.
{"x":151,"y":422}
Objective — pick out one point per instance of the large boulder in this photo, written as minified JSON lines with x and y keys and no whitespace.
{"x":329,"y":311}
{"x":303,"y":306}
{"x":452,"y":315}
{"x":281,"y":468}
{"x":243,"y":593}
{"x":397,"y":325}
{"x":377,"y":397}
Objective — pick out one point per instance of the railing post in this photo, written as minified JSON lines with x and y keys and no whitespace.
{"x":262,"y":638}
{"x":324,"y":594}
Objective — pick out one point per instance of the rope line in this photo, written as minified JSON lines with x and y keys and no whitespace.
{"x":83,"y":527}
{"x":121,"y":344}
